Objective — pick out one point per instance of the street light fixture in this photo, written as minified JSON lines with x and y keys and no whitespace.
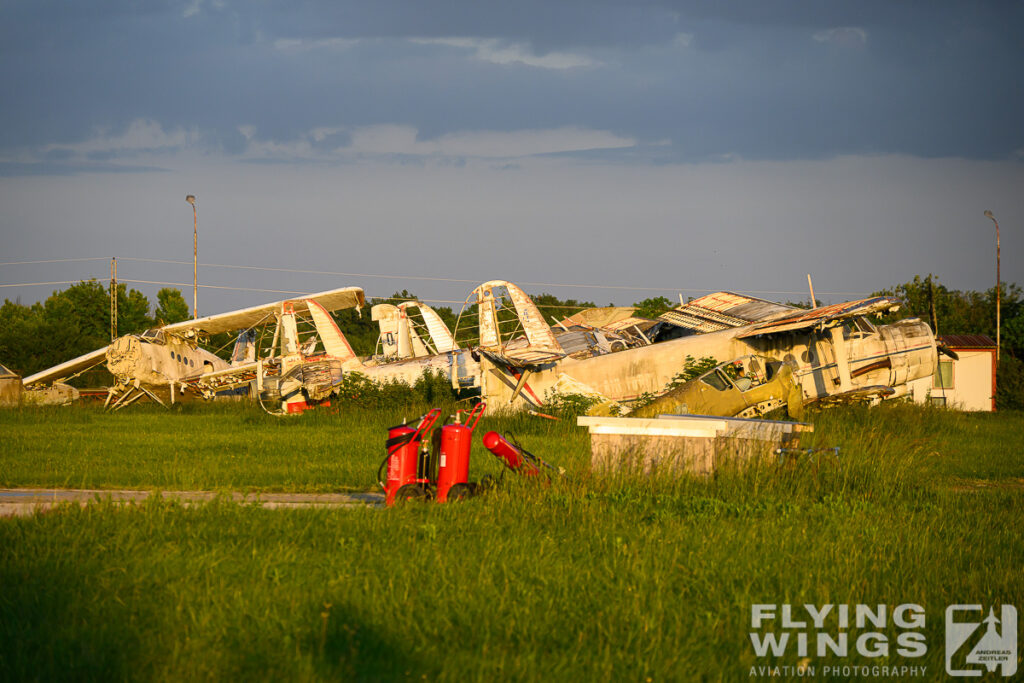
{"x":191,"y":199}
{"x":988,"y":214}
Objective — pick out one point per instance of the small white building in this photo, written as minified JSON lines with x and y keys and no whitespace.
{"x":968,"y":383}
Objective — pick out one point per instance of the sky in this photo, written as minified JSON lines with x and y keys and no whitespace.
{"x":606,"y":151}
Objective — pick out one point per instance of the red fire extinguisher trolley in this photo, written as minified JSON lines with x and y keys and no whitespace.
{"x":517,"y":458}
{"x":453,"y":458}
{"x":408,"y":461}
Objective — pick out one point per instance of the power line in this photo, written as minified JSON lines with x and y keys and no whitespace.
{"x":56,"y":260}
{"x":451,"y":279}
{"x":403,"y":277}
{"x":35,"y":284}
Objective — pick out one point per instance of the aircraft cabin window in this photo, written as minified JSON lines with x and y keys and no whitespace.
{"x":716,"y":379}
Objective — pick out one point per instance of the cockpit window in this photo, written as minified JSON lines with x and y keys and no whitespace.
{"x":716,"y":379}
{"x":857,"y":328}
{"x":154,"y":335}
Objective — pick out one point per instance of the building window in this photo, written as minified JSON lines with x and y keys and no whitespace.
{"x":938,"y":400}
{"x":943,"y":377}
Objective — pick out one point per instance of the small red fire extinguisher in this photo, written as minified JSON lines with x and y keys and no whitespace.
{"x":514,"y":458}
{"x":408,"y":471}
{"x":453,"y":460}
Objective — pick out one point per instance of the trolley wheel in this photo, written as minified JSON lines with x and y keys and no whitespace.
{"x":461,"y":491}
{"x":412,"y":492}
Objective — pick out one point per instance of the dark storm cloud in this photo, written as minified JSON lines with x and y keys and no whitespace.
{"x":716,"y":80}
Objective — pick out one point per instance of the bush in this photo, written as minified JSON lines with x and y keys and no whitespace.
{"x":1010,"y":384}
{"x":359,"y":391}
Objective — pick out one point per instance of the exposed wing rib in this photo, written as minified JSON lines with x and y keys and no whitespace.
{"x":67,"y":368}
{"x":821,"y":317}
{"x":332,"y":300}
{"x":723,"y":310}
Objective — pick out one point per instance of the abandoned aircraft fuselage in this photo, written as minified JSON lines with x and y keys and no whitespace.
{"x":825,"y":362}
{"x":158,"y":359}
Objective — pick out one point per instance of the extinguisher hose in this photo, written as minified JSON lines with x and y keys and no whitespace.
{"x":390,"y":446}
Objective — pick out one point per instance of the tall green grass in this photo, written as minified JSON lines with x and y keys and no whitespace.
{"x":223,"y":447}
{"x":587,"y":577}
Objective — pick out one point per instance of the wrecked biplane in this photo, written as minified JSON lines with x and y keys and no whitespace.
{"x":402,"y":336}
{"x":833,"y":351}
{"x":169,"y":358}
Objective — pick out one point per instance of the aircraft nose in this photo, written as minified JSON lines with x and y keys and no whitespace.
{"x":123,"y":356}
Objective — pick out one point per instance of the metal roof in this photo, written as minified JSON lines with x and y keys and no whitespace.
{"x":967,"y":341}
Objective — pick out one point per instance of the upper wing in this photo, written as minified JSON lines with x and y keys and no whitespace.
{"x":68,"y":367}
{"x":332,"y":300}
{"x":723,"y":310}
{"x":824,"y":316}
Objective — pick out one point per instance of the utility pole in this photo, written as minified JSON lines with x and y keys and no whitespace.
{"x":191,"y":199}
{"x":113,"y":298}
{"x":931,"y":306}
{"x":988,"y":214}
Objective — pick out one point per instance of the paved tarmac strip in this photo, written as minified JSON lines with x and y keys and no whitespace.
{"x":24,"y":502}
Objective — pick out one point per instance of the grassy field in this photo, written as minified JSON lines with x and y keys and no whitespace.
{"x":591,"y":578}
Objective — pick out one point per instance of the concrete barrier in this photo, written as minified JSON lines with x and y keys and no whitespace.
{"x":698,"y":444}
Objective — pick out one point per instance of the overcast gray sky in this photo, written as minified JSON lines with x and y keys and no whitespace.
{"x":659,"y":147}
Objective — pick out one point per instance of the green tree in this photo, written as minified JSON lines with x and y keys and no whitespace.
{"x":70,"y":323}
{"x":553,"y":308}
{"x":132,"y":311}
{"x":171,"y":307}
{"x":958,"y":312}
{"x":653,"y":307}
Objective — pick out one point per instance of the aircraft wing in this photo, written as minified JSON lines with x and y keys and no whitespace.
{"x":823,"y":317}
{"x":724,"y":310}
{"x":858,"y":395}
{"x":67,"y":368}
{"x":332,"y":300}
{"x":233,"y":376}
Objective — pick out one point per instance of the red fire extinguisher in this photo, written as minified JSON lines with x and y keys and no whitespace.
{"x":453,"y":459}
{"x":408,"y":469}
{"x":515,"y":458}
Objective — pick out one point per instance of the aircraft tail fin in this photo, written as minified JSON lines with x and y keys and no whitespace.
{"x":245,"y":347}
{"x":335,"y":343}
{"x":540,"y":345}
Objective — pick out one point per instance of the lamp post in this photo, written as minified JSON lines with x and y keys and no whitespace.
{"x":191,"y":199}
{"x":988,"y":214}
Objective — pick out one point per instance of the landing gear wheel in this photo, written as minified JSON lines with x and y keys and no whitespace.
{"x":413,"y":492}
